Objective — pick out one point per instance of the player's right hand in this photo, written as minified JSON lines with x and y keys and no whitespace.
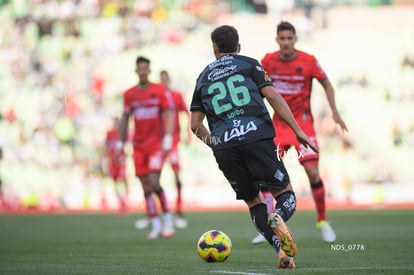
{"x":119,"y":148}
{"x":305,"y":140}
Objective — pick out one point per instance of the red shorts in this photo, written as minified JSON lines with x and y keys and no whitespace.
{"x":150,"y":161}
{"x":285,"y":139}
{"x":117,"y":171}
{"x":116,"y":167}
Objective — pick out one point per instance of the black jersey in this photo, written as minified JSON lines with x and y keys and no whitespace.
{"x":228,"y":92}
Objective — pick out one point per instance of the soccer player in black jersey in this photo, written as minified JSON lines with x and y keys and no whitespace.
{"x":229,"y":93}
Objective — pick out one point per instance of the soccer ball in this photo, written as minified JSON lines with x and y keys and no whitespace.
{"x":214,"y":246}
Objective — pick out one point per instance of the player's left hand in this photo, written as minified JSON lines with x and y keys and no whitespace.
{"x":337,"y":118}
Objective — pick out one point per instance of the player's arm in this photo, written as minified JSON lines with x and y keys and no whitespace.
{"x":123,"y":127}
{"x":280,"y":106}
{"x":188,"y":124}
{"x":168,"y":115}
{"x":329,"y":91}
{"x":198,"y":128}
{"x":182,"y":108}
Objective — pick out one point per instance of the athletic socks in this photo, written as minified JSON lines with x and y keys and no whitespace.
{"x":259,"y":215}
{"x":318,"y":193}
{"x":286,"y":205}
{"x":163,"y":200}
{"x":150,"y":205}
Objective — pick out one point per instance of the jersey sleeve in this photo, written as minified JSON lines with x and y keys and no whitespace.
{"x":317,"y":71}
{"x":179,"y":102}
{"x":127,"y":103}
{"x":260,"y":76}
{"x":166,"y":100}
{"x":265,"y":62}
{"x":196,"y":104}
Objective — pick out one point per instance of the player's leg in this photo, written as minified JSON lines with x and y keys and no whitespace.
{"x":239,"y":175}
{"x":167,"y":217}
{"x":151,"y":208}
{"x":268,"y":198}
{"x":142,"y":172}
{"x":180,"y":219}
{"x":173,"y":158}
{"x":122,"y":181}
{"x":318,"y":194}
{"x":285,"y":208}
{"x":266,"y":166}
{"x":156,"y":162}
{"x":116,"y":175}
{"x":275,"y":232}
{"x":310,"y":161}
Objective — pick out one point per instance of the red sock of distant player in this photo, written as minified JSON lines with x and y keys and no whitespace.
{"x":318,"y":193}
{"x":178,"y":201}
{"x":163,"y":200}
{"x":151,"y":205}
{"x":268,"y":197}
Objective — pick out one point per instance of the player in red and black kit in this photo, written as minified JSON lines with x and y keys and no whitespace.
{"x":173,"y":156}
{"x":292,"y":72}
{"x":149,"y":105}
{"x":115,"y":163}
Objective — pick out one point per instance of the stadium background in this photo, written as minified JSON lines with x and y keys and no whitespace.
{"x":66,"y":63}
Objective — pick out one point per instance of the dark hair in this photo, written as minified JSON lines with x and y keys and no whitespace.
{"x":225,"y":38}
{"x":142,"y":59}
{"x":285,"y":26}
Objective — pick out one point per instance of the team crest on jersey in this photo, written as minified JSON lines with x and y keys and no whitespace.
{"x":299,"y":70}
{"x":266,"y":77}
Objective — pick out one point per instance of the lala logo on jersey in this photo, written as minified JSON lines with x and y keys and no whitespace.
{"x":239,"y":130}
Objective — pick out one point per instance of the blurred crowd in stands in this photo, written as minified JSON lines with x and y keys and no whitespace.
{"x":53,"y":102}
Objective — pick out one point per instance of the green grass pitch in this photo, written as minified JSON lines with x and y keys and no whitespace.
{"x":368,"y":242}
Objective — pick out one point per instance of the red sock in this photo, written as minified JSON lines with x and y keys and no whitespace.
{"x":268,"y":197}
{"x":151,"y":206}
{"x":318,"y":193}
{"x":163,"y":200}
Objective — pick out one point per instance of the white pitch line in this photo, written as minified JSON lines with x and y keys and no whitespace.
{"x":237,"y":272}
{"x":307,"y":269}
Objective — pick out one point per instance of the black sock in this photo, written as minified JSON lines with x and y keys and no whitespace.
{"x":316,"y":185}
{"x":286,"y":205}
{"x":258,"y":214}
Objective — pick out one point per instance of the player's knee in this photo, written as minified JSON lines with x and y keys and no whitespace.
{"x":312,"y":173}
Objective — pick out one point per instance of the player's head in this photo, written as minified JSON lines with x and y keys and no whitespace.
{"x":165,"y":78}
{"x":285,"y":26}
{"x":225,"y":40}
{"x":142,"y":69}
{"x":286,"y":38}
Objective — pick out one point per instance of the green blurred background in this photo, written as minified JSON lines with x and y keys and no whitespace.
{"x":66,"y":63}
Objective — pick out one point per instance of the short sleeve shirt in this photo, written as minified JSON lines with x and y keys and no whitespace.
{"x":228,"y":93}
{"x":293,"y":80}
{"x":146,"y":107}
